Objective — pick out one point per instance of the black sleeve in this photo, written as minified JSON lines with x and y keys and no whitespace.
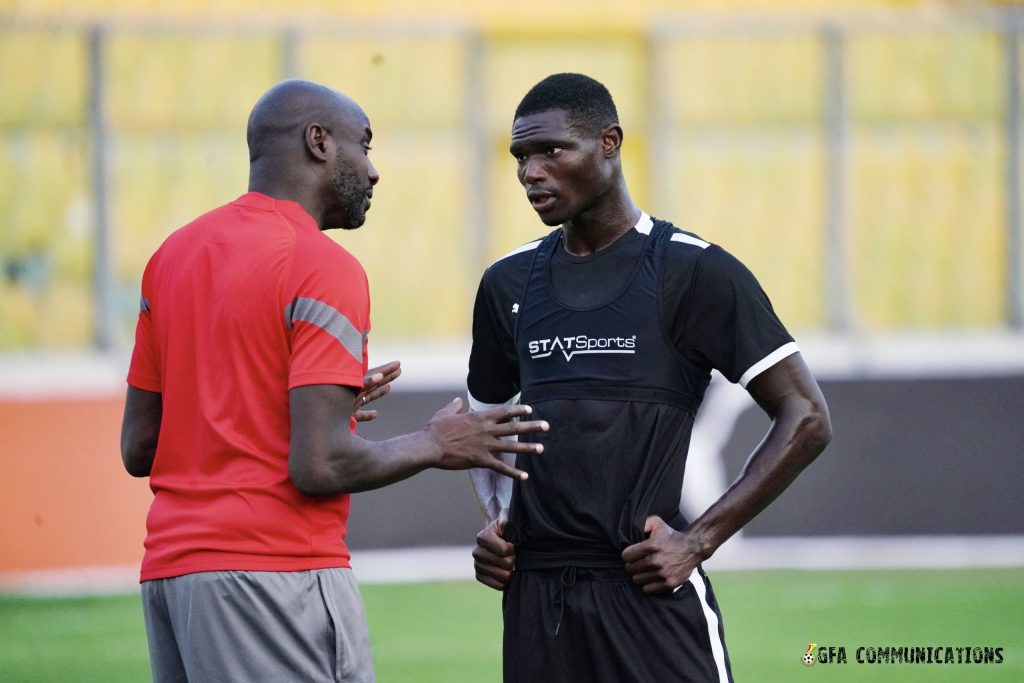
{"x":493,"y":366}
{"x":725,"y":320}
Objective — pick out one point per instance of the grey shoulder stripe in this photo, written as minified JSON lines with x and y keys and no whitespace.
{"x":330,"y":320}
{"x":143,"y":304}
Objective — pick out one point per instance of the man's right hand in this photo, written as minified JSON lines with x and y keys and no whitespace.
{"x":472,"y":439}
{"x":494,"y":557}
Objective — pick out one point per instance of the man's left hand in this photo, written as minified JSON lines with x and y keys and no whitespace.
{"x":664,"y":561}
{"x":376,"y":384}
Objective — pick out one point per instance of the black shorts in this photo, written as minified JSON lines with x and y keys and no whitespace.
{"x":578,"y":624}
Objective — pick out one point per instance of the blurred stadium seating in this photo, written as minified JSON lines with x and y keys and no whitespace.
{"x":725,"y":135}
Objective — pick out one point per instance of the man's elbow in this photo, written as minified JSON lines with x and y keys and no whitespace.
{"x":138,"y":462}
{"x":312,"y":487}
{"x":311,"y":480}
{"x":817,"y":428}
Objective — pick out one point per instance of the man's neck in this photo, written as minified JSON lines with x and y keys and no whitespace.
{"x":595,"y":230}
{"x":284,"y":189}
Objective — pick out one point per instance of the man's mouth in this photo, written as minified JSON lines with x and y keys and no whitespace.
{"x":540,"y":200}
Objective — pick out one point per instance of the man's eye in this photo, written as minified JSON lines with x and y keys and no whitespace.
{"x":552,"y":151}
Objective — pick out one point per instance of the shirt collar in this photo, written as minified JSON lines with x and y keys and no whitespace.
{"x":258,"y":201}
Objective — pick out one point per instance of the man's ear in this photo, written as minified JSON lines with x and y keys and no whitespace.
{"x":611,"y":140}
{"x":316,"y":141}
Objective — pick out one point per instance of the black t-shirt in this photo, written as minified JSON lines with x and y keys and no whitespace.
{"x":615,"y":454}
{"x":715,"y":312}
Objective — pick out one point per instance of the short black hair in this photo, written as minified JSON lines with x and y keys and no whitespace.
{"x":586,"y":102}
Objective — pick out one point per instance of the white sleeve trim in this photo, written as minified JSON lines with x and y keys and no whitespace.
{"x":493,"y":490}
{"x":477,"y":405}
{"x":784,"y":351}
{"x":690,"y":239}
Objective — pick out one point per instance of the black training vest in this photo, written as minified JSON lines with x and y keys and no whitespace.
{"x":621,"y":405}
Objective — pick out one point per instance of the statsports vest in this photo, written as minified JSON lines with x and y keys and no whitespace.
{"x":621,"y":404}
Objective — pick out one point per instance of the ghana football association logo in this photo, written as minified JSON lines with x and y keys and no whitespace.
{"x":808,"y":658}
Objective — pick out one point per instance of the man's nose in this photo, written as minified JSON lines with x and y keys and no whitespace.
{"x":533,"y":170}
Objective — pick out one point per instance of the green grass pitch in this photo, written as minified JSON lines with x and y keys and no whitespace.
{"x":451,"y":632}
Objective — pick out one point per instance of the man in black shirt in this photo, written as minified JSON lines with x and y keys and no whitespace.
{"x":610,"y":327}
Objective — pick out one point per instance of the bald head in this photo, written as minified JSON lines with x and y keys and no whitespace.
{"x":278,"y":122}
{"x":310,"y":144}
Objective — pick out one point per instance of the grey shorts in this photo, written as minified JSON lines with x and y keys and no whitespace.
{"x":257,"y":626}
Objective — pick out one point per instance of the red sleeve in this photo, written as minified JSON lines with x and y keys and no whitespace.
{"x":328,"y":317}
{"x":144,"y":370}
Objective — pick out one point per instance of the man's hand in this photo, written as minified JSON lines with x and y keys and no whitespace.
{"x":494,"y":557}
{"x":473,"y":439}
{"x":800,"y":430}
{"x":664,"y":561}
{"x":376,"y":384}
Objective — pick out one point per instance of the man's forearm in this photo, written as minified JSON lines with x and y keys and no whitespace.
{"x":326,"y":458}
{"x":493,"y":491}
{"x":350,"y":464}
{"x":790,"y":445}
{"x":140,"y":430}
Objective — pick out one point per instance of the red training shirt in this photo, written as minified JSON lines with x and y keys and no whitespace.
{"x":238,"y":307}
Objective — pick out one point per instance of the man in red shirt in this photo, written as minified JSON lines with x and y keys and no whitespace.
{"x":248,"y":376}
